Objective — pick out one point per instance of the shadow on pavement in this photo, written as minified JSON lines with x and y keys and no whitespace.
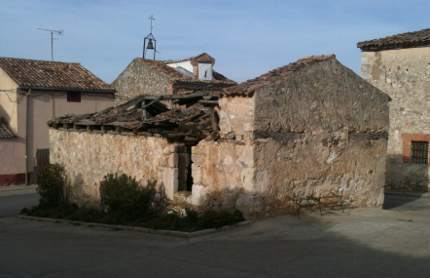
{"x":403,"y":177}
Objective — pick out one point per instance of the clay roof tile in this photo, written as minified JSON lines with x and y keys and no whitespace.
{"x":404,"y":40}
{"x":52,"y":75}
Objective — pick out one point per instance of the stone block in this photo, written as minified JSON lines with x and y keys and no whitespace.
{"x":199,"y":192}
{"x":197,"y":174}
{"x":170,"y":182}
{"x":172,"y":160}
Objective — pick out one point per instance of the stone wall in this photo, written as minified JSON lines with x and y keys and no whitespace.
{"x":221,"y":166}
{"x":325,"y":96}
{"x":315,"y":164}
{"x":319,"y":132}
{"x":403,"y":74}
{"x":273,"y":172}
{"x":138,"y":79}
{"x":236,"y":117}
{"x":322,"y":164}
{"x":322,"y":131}
{"x":88,"y":157}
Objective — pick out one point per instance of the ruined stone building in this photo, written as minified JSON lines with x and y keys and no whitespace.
{"x":311,"y":128}
{"x":155,"y":78}
{"x":31,"y":93}
{"x":399,"y":65}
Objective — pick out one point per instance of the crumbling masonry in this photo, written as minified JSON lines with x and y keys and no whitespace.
{"x":309,"y":129}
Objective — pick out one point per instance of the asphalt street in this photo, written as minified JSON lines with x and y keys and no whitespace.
{"x":358,"y":243}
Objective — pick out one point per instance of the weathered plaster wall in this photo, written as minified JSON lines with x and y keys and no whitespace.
{"x":312,"y":164}
{"x":322,"y":131}
{"x":221,"y":166}
{"x":322,"y":164}
{"x":140,"y":79}
{"x":236,"y":117}
{"x":88,"y":157}
{"x":404,"y":75}
{"x":12,"y":153}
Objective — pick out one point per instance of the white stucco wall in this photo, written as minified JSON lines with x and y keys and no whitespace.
{"x":184,"y":64}
{"x":205,"y":71}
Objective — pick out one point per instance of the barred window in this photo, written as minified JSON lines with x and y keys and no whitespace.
{"x":419,"y":152}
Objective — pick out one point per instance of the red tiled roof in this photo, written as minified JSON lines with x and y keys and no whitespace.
{"x":203,"y":58}
{"x":403,"y":40}
{"x":50,"y":75}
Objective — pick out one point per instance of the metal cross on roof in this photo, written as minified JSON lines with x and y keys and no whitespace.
{"x":152,"y":19}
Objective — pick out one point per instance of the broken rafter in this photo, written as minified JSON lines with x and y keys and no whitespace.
{"x":185,"y":124}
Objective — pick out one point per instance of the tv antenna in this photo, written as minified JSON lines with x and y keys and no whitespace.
{"x":52,"y":32}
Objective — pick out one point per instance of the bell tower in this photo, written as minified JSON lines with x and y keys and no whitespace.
{"x":150,"y":43}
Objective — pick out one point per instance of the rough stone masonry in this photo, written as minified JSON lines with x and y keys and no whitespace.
{"x":310,"y":129}
{"x":399,"y":65}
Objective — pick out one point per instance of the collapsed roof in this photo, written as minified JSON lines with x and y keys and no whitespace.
{"x":198,"y":120}
{"x":149,"y":116}
{"x":50,"y":75}
{"x":404,"y":40}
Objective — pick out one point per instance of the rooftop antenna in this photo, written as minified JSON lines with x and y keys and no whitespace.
{"x":52,"y":32}
{"x":150,"y":43}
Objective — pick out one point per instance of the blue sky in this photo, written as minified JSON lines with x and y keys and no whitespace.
{"x":246,"y":37}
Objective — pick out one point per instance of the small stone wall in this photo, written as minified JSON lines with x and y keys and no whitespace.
{"x":221,"y":166}
{"x":88,"y":157}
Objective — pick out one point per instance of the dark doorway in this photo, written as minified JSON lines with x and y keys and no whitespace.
{"x":185,"y":177}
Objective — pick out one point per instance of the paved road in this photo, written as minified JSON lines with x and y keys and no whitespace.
{"x":360,"y":243}
{"x":11,"y":204}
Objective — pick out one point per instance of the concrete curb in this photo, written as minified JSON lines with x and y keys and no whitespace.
{"x":9,"y":190}
{"x":6,"y":188}
{"x":137,"y":229}
{"x":408,"y":194}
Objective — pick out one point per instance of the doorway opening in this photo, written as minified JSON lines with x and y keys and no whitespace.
{"x":185,"y":177}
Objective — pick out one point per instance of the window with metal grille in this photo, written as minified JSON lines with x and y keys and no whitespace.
{"x":73,"y":96}
{"x":419,"y":152}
